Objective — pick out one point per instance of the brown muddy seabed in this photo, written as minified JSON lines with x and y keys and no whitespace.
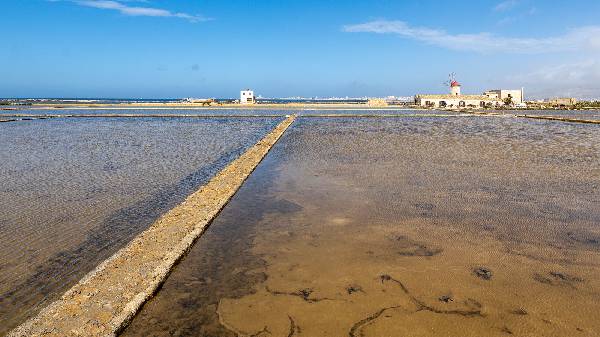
{"x":400,"y":227}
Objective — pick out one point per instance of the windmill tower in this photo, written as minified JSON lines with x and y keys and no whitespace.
{"x":453,"y":84}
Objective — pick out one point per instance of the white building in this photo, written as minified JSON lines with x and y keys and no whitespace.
{"x":515,"y":96}
{"x":456,"y":100}
{"x":247,"y":97}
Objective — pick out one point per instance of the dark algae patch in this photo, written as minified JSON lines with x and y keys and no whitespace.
{"x":483,"y":273}
{"x":408,"y":247}
{"x":554,"y":278}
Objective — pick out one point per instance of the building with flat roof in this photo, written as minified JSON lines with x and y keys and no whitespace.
{"x":456,"y":100}
{"x":516,"y":96}
{"x":562,"y":101}
{"x":247,"y":97}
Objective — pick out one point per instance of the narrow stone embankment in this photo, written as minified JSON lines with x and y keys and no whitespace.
{"x":562,"y":119}
{"x":5,"y":118}
{"x":105,"y":301}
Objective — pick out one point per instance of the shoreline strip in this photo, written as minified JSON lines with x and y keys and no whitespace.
{"x":105,"y":301}
{"x":370,"y":115}
{"x":46,"y":116}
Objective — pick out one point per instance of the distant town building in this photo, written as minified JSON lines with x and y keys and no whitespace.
{"x":567,"y":101}
{"x":516,"y":96}
{"x":456,"y":100}
{"x":247,"y":97}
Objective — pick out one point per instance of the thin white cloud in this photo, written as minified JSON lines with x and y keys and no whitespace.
{"x":579,"y":39}
{"x":126,"y":9}
{"x":579,"y":79}
{"x":506,"y":5}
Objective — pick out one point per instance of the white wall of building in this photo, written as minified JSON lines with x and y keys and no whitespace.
{"x":458,"y":102}
{"x":515,"y":95}
{"x":455,"y":90}
{"x":247,"y":97}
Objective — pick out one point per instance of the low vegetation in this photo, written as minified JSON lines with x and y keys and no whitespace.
{"x":588,"y":104}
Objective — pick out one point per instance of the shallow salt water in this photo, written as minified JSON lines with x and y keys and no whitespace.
{"x":146,"y":111}
{"x":474,"y":226}
{"x":73,"y":191}
{"x":220,"y":111}
{"x":576,"y":114}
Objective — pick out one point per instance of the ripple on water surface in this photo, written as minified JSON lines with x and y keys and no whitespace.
{"x":225,"y":112}
{"x":76,"y":190}
{"x":398,"y":227}
{"x":150,"y":111}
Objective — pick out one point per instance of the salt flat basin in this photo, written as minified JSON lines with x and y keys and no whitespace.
{"x":143,"y":111}
{"x":400,"y":227}
{"x":218,"y":111}
{"x":76,"y":190}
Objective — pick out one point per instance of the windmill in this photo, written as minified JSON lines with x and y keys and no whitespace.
{"x":451,"y":79}
{"x":453,"y":84}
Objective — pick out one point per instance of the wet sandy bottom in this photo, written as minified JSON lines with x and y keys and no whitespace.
{"x":400,"y":227}
{"x":76,"y":190}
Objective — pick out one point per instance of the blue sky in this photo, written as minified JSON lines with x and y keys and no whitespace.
{"x":167,"y":49}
